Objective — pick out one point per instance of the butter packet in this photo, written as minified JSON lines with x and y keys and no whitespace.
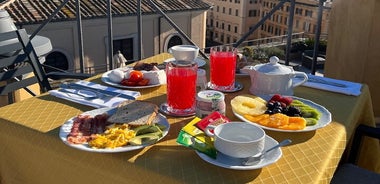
{"x":191,"y":136}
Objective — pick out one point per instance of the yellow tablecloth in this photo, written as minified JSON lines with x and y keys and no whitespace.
{"x":32,"y":152}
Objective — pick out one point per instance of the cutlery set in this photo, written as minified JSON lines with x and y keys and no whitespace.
{"x":89,"y":93}
{"x":322,"y":81}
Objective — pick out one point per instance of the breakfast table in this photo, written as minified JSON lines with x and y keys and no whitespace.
{"x":32,"y":152}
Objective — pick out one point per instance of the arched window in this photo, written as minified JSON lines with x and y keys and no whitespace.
{"x":57,"y":60}
{"x":174,"y":40}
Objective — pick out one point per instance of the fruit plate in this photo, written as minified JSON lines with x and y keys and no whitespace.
{"x":322,"y":122}
{"x":236,"y":163}
{"x":106,"y":79}
{"x":66,"y":128}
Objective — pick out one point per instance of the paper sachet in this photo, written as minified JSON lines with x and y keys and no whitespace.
{"x":190,"y":136}
{"x":214,"y":118}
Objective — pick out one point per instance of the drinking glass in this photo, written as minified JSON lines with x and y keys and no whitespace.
{"x":181,"y":87}
{"x":222,"y":68}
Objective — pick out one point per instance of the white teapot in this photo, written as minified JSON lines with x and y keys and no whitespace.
{"x":273,"y":78}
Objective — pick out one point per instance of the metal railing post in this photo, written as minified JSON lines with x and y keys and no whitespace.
{"x":139,"y":30}
{"x":290,"y":31}
{"x":80,"y":38}
{"x":110,"y":35}
{"x":317,"y":35}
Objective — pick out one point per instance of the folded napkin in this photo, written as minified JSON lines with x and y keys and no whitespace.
{"x":108,"y":96}
{"x":333,"y":85}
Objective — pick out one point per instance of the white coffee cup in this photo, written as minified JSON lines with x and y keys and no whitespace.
{"x":237,"y":139}
{"x":184,"y":52}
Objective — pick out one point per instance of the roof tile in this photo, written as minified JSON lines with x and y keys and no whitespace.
{"x":36,"y":11}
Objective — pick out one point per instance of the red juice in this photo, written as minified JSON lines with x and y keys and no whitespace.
{"x":222,"y":68}
{"x":181,"y":87}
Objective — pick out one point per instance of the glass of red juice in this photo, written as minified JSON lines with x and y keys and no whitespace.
{"x":222,"y":67}
{"x":181,"y":87}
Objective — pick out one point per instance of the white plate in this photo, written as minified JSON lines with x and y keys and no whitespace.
{"x":322,"y":122}
{"x":235,"y":163}
{"x":105,"y":78}
{"x":201,"y":62}
{"x":66,"y":128}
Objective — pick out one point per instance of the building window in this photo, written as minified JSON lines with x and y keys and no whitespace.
{"x":229,"y":27}
{"x":236,"y":12}
{"x":229,"y":11}
{"x":57,"y":60}
{"x":125,"y":46}
{"x":252,"y":13}
{"x":309,"y":13}
{"x":306,"y":26}
{"x":236,"y":29}
{"x":174,"y":40}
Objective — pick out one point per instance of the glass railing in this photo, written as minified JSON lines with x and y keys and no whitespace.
{"x":272,"y":41}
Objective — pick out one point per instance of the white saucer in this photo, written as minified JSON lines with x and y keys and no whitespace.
{"x":238,"y":87}
{"x":201,"y":62}
{"x":236,"y":163}
{"x":164,"y":109}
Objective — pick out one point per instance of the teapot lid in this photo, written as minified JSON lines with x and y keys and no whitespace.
{"x":273,"y":67}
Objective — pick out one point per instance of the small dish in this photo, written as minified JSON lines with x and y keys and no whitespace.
{"x":105,"y":78}
{"x":236,"y":163}
{"x":238,"y":87}
{"x":164,"y":109}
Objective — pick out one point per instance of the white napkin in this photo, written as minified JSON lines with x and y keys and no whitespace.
{"x":103,"y":101}
{"x":349,"y":88}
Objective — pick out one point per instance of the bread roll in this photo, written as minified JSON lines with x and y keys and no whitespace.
{"x":135,"y":113}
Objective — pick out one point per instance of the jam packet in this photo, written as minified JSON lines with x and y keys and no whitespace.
{"x":214,"y":118}
{"x":190,"y":136}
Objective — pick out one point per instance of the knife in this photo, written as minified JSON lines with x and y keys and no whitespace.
{"x":106,"y":92}
{"x":322,"y":81}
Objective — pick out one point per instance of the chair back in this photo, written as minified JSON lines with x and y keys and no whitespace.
{"x":18,"y":59}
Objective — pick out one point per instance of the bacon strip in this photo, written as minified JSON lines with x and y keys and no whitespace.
{"x":85,"y":127}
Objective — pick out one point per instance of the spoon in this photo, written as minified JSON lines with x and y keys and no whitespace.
{"x":254,"y":159}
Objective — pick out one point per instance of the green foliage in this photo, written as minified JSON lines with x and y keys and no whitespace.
{"x":248,"y":51}
{"x":310,"y":44}
{"x":259,"y":54}
{"x":266,"y":53}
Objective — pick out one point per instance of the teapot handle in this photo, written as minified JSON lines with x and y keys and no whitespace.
{"x":300,"y":75}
